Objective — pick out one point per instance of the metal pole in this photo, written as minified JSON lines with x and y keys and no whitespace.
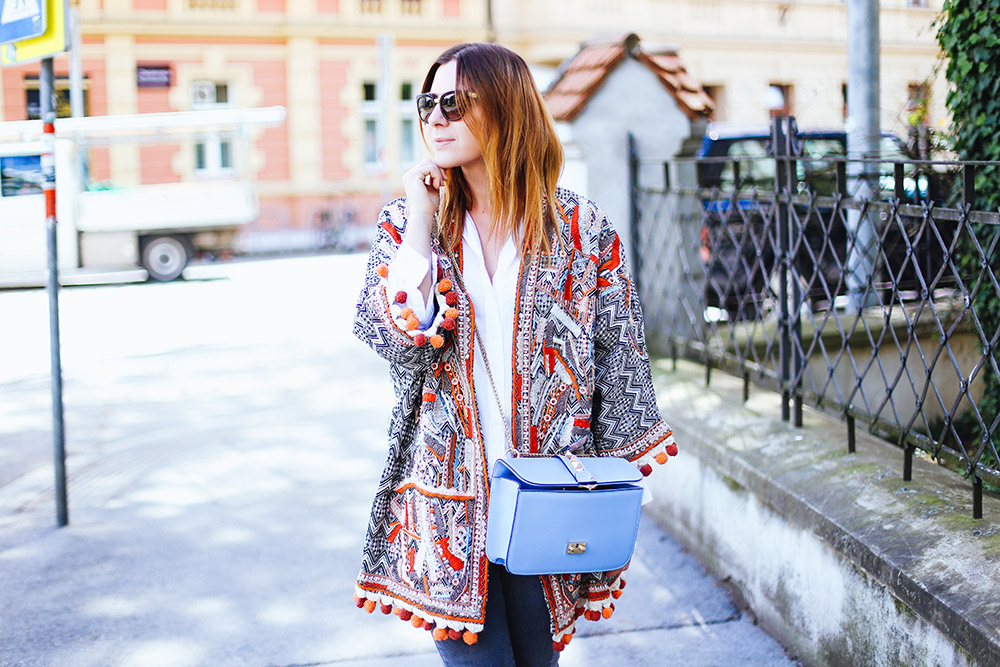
{"x":863,"y":136}
{"x":780,"y":147}
{"x":48,"y":108}
{"x":633,"y":191}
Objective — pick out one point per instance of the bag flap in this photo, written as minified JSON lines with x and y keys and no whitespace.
{"x":552,"y":471}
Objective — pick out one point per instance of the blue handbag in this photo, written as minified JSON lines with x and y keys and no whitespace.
{"x":562,"y":514}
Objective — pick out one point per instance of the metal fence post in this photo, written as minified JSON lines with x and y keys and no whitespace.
{"x":779,"y":147}
{"x":633,"y":189}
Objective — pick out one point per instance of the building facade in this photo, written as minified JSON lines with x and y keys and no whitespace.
{"x":347,"y":72}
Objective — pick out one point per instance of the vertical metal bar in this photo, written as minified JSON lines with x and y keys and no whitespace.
{"x":969,"y":184}
{"x":908,"y":463}
{"x":851,"y":436}
{"x":842,"y":179}
{"x":46,"y":94}
{"x":797,"y":412}
{"x":779,"y":147}
{"x":633,"y":189}
{"x":673,"y":356}
{"x":897,"y":182}
{"x":666,"y":176}
{"x":746,"y":386}
{"x":708,"y":373}
{"x":977,"y":497}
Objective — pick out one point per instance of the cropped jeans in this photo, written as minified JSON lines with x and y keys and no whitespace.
{"x":516,"y":630}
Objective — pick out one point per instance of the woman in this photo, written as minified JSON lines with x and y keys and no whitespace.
{"x":507,"y":315}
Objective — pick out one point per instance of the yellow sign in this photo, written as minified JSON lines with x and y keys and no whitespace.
{"x":51,"y":42}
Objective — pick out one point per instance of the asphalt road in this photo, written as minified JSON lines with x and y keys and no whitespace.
{"x":225,"y":435}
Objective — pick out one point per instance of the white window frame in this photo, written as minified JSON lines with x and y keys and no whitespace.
{"x":203,"y":96}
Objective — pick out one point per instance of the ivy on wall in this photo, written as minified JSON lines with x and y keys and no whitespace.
{"x":969,"y":34}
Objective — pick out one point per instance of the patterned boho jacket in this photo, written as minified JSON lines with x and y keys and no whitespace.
{"x":581,"y":377}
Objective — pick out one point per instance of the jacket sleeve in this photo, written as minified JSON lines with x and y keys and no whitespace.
{"x":382,"y":320}
{"x":626,"y":420}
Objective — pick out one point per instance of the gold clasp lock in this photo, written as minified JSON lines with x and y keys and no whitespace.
{"x":576,"y":548}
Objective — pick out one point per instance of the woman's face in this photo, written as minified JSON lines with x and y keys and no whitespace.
{"x":451,"y":142}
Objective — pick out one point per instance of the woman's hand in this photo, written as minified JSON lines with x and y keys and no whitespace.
{"x":423,"y":183}
{"x":614,"y":574}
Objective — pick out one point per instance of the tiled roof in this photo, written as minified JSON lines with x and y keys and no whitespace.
{"x":581,"y":76}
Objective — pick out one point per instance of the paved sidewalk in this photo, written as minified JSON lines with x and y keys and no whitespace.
{"x":220,"y":486}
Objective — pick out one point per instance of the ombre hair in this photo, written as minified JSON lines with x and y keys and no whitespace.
{"x":514,"y":129}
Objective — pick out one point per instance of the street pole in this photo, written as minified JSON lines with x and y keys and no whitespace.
{"x":863,"y":135}
{"x":46,"y":94}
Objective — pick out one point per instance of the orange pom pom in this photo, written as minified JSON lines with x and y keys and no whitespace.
{"x":558,"y":646}
{"x":437,"y":340}
{"x":566,"y":638}
{"x":607,"y":611}
{"x":359,"y":601}
{"x":616,"y":594}
{"x":382,"y":270}
{"x":440,"y":634}
{"x":405,"y":313}
{"x":416,"y":621}
{"x":661,"y":458}
{"x":412,"y":323}
{"x":470,"y":637}
{"x":369,"y":606}
{"x":444,"y":286}
{"x":452,"y":313}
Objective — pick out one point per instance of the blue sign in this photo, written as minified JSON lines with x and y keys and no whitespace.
{"x":21,"y":20}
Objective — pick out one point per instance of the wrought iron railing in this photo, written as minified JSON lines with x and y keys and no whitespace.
{"x":874,"y":296}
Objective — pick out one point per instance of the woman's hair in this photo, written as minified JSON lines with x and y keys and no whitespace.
{"x":514,"y":128}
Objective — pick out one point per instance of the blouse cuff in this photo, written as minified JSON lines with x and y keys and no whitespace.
{"x":407,"y":271}
{"x":442,"y":312}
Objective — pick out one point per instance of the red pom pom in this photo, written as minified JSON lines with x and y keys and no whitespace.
{"x":448,"y":324}
{"x":621,"y":584}
{"x":405,"y":614}
{"x":400,"y":296}
{"x":592,"y":615}
{"x":616,"y":594}
{"x":580,"y":611}
{"x":387,"y":609}
{"x":359,"y":601}
{"x":558,"y":646}
{"x":420,"y":339}
{"x":428,"y":625}
{"x":646,"y":470}
{"x":672,"y":449}
{"x":451,"y":298}
{"x":454,"y":634}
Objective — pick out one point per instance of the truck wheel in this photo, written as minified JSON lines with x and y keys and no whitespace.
{"x":164,"y":257}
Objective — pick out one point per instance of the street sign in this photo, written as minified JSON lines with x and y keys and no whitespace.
{"x":54,"y":40}
{"x":21,"y":20}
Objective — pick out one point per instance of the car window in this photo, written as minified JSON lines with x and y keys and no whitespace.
{"x":756,"y":169}
{"x":20,"y":175}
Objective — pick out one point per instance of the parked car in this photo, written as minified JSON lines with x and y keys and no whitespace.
{"x":739,"y":235}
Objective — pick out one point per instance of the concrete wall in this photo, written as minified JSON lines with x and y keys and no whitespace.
{"x":841,"y":560}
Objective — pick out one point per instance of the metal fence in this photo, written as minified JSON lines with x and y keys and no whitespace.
{"x":862,"y":287}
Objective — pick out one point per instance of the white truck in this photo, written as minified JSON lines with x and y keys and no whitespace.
{"x":158,"y":227}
